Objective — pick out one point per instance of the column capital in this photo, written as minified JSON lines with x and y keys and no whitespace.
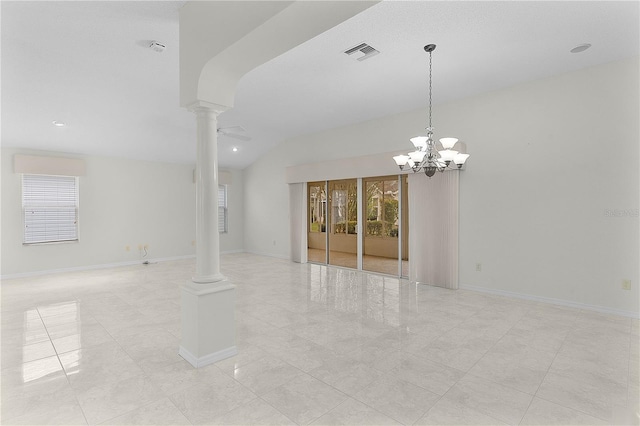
{"x":207,"y":106}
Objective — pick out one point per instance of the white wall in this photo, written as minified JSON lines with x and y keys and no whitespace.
{"x":549,"y":158}
{"x":122,"y":203}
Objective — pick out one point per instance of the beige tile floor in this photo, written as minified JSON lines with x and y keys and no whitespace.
{"x":317,"y":345}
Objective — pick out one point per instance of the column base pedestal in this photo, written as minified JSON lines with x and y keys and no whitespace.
{"x":208,"y":322}
{"x":207,"y":359}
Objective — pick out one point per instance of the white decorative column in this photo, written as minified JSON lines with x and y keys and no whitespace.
{"x":208,"y":300}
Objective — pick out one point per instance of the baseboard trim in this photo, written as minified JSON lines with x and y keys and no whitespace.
{"x":93,"y":267}
{"x":436,"y":285}
{"x":551,"y":300}
{"x":232,"y":251}
{"x":207,"y":359}
{"x":259,"y":253}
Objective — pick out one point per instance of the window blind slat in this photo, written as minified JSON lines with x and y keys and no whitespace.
{"x":222,"y":208}
{"x":50,"y":206}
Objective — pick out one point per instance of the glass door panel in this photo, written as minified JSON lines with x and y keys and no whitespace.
{"x":316,"y":224}
{"x":343,"y":223}
{"x":382,"y":225}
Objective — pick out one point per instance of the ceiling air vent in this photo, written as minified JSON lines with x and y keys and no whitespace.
{"x":157,"y":47}
{"x":363,"y":48}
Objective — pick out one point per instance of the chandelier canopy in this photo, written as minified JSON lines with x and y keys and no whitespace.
{"x":426,"y":156}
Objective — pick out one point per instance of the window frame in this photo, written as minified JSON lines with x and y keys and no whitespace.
{"x":25,"y":208}
{"x":223,"y":203}
{"x":320,"y":202}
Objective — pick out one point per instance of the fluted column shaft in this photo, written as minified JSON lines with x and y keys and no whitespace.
{"x":207,"y":235}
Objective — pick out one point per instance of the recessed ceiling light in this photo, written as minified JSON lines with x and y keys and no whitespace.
{"x":234,"y":149}
{"x":57,"y":123}
{"x":580,"y":48}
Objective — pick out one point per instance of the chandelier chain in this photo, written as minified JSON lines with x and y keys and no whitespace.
{"x":430,"y":65}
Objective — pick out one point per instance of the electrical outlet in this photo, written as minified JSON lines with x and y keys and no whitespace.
{"x":626,"y":284}
{"x":478,"y":267}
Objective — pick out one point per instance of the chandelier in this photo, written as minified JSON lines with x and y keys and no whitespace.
{"x":426,"y":156}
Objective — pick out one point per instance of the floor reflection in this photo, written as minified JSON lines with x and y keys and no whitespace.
{"x":39,"y":357}
{"x":40,"y":369}
{"x":383,"y":265}
{"x":369,"y":296}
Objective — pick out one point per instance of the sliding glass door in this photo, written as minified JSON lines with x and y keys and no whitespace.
{"x":343,"y":223}
{"x":333,"y":232}
{"x":383,"y":213}
{"x":317,"y":223}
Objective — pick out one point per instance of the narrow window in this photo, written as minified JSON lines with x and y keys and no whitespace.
{"x":223,"y":226}
{"x":50,"y":208}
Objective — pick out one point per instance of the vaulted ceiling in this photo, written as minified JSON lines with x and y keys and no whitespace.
{"x":88,"y":65}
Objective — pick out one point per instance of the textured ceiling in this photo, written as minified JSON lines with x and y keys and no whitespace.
{"x":85,"y":63}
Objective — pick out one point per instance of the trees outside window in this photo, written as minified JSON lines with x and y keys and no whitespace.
{"x":381,"y":207}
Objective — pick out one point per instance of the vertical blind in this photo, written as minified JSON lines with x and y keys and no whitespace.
{"x":222,"y":208}
{"x":433,"y":221}
{"x":50,"y":207}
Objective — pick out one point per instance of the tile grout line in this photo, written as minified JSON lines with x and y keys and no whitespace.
{"x":389,"y":415}
{"x":255,"y":393}
{"x":66,"y":376}
{"x":535,"y":395}
{"x":267,"y":402}
{"x":492,"y":381}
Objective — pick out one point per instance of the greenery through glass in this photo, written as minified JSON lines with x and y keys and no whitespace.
{"x":317,"y":207}
{"x":344,"y":207}
{"x":382,"y":208}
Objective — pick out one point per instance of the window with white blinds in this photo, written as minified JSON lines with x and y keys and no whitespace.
{"x":50,"y":208}
{"x":222,"y":208}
